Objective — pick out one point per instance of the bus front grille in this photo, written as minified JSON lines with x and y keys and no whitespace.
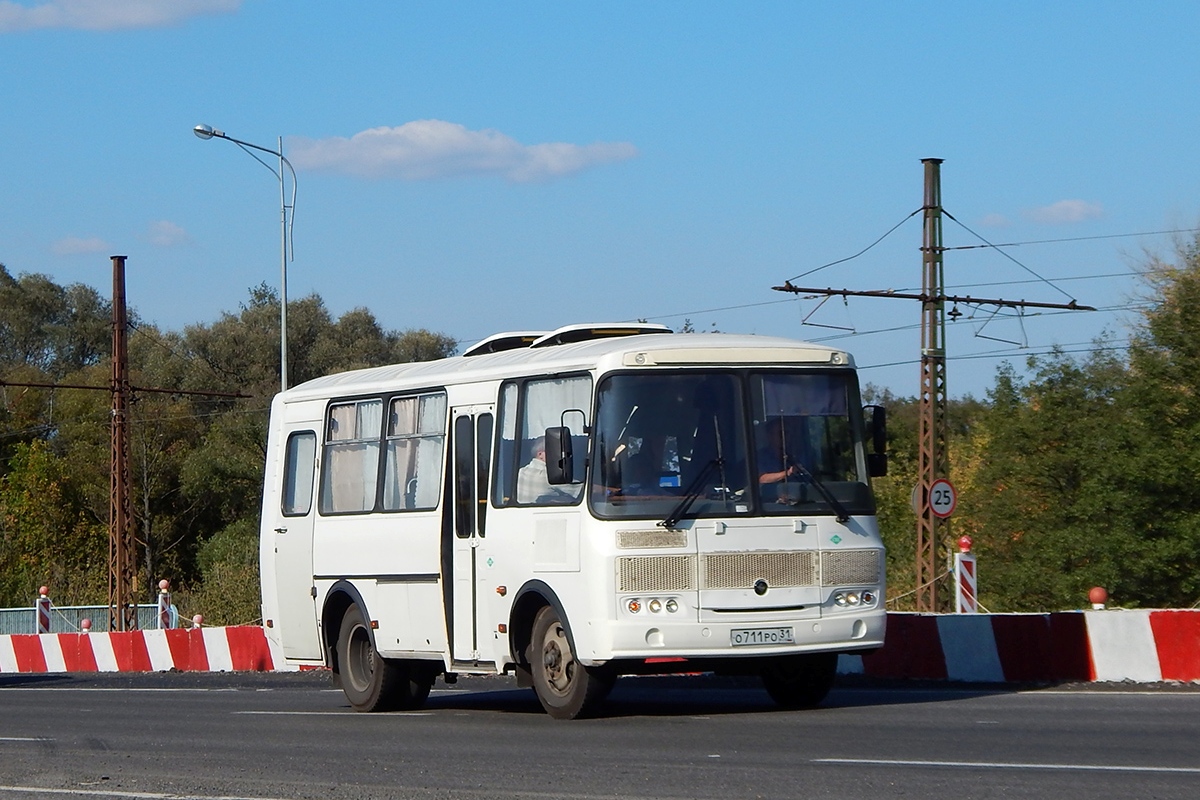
{"x":741,"y":570}
{"x":656,"y":573}
{"x":849,"y":567}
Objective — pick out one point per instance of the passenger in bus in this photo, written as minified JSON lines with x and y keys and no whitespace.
{"x":532,"y":484}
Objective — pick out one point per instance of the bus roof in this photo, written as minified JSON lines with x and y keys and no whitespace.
{"x":648,"y":349}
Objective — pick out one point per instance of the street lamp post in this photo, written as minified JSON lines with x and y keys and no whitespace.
{"x":209,"y":132}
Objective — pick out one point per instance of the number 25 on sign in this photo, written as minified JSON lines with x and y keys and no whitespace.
{"x":943,"y":497}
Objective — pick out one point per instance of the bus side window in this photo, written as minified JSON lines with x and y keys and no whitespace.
{"x":350,"y":468}
{"x":506,"y":447}
{"x":300,"y":458}
{"x":553,"y":403}
{"x":413,"y":461}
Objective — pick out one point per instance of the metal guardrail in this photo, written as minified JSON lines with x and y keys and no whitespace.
{"x":67,"y":619}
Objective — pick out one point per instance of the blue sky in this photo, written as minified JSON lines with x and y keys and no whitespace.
{"x":477,"y":167}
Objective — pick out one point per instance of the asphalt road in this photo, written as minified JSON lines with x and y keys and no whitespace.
{"x":290,"y":736}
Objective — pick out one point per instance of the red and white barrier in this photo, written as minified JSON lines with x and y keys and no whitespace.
{"x":1142,"y":646}
{"x":196,"y":650}
{"x":1138,"y":645}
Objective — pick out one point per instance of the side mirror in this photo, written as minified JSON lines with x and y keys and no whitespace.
{"x":876,"y":421}
{"x":560,"y":461}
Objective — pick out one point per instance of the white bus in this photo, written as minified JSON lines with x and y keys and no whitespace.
{"x":572,"y":506}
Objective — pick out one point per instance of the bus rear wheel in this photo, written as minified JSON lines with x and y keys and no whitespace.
{"x":372,"y":682}
{"x":800,"y":681}
{"x":566,"y":688}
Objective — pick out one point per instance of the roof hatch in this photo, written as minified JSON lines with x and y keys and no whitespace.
{"x":583,"y":333}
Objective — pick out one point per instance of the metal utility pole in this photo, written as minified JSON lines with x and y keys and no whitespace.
{"x":932,"y":457}
{"x":122,"y":550}
{"x":122,"y":572}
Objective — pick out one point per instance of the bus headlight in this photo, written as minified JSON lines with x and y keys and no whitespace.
{"x":655,"y":606}
{"x":672,"y":606}
{"x":853,"y":598}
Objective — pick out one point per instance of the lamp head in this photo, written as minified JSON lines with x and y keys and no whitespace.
{"x":205,"y":131}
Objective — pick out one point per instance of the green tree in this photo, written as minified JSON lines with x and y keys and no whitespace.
{"x":1048,"y":514}
{"x":47,"y":535}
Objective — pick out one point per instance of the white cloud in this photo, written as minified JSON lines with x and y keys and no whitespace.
{"x":75,"y":246}
{"x":106,"y":15}
{"x":994,"y":220}
{"x":167,"y":234}
{"x":1065,"y":212}
{"x":431,"y":148}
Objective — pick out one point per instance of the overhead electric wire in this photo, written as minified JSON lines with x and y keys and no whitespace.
{"x":1074,"y":239}
{"x":860,"y":252}
{"x":916,"y":325}
{"x":1005,"y":354}
{"x":951,"y":217}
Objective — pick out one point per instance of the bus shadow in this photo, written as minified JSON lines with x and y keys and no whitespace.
{"x":17,"y":680}
{"x":709,"y":696}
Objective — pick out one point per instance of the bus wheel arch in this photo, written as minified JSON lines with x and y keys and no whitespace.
{"x":545,"y":652}
{"x":566,"y":688}
{"x":370,"y":681}
{"x":338,"y":600}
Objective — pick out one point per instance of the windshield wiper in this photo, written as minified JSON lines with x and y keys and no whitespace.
{"x":843,"y":516}
{"x":694,"y":490}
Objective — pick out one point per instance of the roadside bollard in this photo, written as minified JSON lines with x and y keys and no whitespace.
{"x":197,"y":620}
{"x":85,"y":625}
{"x":164,"y":604}
{"x":965,"y":601}
{"x":1098,"y":596}
{"x":42,"y":610}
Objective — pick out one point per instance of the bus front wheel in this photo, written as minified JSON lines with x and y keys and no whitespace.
{"x":566,"y":688}
{"x":370,"y":681}
{"x":800,"y":681}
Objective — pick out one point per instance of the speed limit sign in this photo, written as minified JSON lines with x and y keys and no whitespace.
{"x":942,"y":498}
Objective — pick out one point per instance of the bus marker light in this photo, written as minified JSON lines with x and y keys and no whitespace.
{"x":502,"y":628}
{"x":374,"y":624}
{"x":502,"y":590}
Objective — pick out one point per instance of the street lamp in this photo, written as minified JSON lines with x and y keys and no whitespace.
{"x":285,"y":250}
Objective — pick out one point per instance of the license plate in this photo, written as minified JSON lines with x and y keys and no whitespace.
{"x":748,"y":637}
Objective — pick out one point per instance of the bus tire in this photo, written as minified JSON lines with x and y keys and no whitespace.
{"x":371,"y":682}
{"x":800,"y":681}
{"x":565,"y":688}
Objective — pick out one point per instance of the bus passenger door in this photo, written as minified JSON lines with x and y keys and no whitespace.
{"x":293,"y":545}
{"x":471,"y":432}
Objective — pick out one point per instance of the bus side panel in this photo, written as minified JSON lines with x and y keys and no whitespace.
{"x":394,"y":562}
{"x":408,"y":621}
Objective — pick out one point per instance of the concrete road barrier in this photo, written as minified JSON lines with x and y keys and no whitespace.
{"x":243,"y":648}
{"x":1143,"y":646}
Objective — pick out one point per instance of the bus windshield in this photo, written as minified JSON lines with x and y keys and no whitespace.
{"x":721,"y":443}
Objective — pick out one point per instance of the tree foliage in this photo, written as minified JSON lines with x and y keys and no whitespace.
{"x":196,"y":459}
